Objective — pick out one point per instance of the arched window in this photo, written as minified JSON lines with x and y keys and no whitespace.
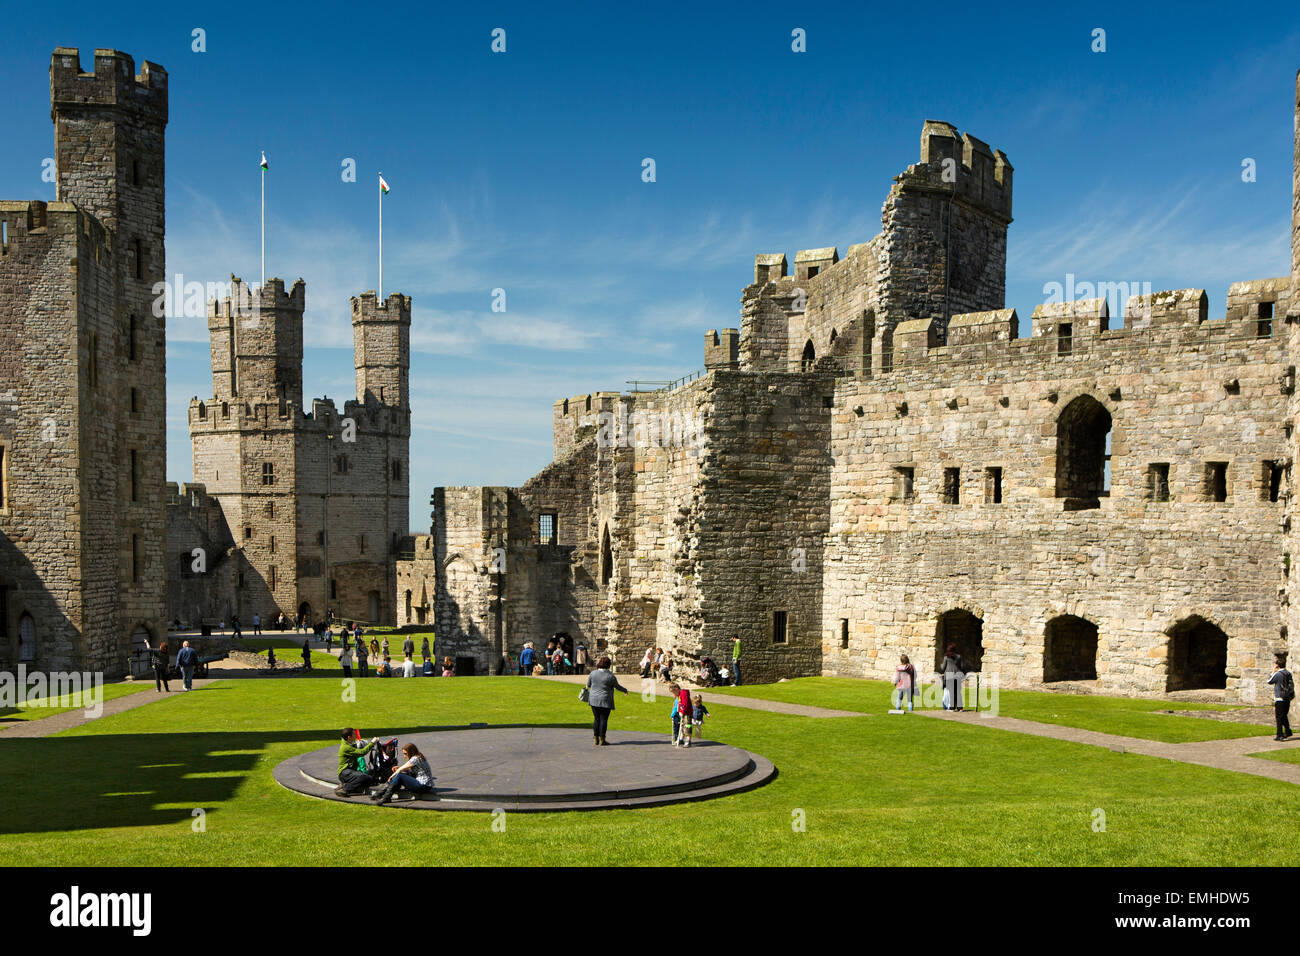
{"x":1198,"y":656}
{"x":408,"y":605}
{"x":1083,"y":453}
{"x":834,"y":335}
{"x":26,"y":638}
{"x":809,"y":356}
{"x":203,"y":411}
{"x":1069,"y":649}
{"x":606,"y":558}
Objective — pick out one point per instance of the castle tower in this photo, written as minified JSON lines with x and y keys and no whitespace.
{"x":381,"y":348}
{"x":256,"y":342}
{"x":109,"y":161}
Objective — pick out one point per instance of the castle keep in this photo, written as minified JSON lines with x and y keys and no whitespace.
{"x":82,"y":380}
{"x":883,"y":458}
{"x":294,"y":509}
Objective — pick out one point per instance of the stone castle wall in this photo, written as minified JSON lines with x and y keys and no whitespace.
{"x":82,"y":416}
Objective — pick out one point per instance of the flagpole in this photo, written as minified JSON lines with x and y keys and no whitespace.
{"x":381,"y":243}
{"x":263,"y":225}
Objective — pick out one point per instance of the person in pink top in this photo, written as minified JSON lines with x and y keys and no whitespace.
{"x":684,"y":712}
{"x":904,"y":683}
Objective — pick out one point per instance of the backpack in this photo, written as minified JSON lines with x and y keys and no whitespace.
{"x":1286,"y":686}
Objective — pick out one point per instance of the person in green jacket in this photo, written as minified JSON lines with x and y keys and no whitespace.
{"x":351,"y":779}
{"x":735,"y":659}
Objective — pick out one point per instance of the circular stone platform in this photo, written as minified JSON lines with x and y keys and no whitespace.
{"x":547,"y":769}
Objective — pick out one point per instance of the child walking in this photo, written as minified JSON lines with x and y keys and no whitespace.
{"x":675,"y":714}
{"x":904,"y":683}
{"x":698,"y":713}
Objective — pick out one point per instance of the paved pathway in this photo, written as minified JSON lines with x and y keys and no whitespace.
{"x":44,"y":726}
{"x":1221,"y":754}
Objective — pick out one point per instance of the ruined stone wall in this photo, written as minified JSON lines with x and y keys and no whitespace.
{"x":1180,"y":391}
{"x":467,"y":524}
{"x":195,"y":522}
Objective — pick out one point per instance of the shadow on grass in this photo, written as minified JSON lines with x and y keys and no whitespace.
{"x":126,"y":780}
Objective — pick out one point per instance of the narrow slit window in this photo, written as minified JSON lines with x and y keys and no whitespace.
{"x":993,"y":486}
{"x":1264,"y":321}
{"x":844,"y":632}
{"x":952,"y":486}
{"x":1158,"y":481}
{"x":1065,"y":338}
{"x":1216,"y":480}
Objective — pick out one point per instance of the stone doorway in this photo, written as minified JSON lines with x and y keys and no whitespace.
{"x":1198,"y":656}
{"x":1069,"y":649}
{"x":304,"y":613}
{"x":374,"y":608}
{"x":964,"y":629}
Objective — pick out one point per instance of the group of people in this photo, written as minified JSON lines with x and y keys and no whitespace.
{"x":559,"y":657}
{"x":379,"y":651}
{"x":367,"y":767}
{"x":187,"y":661}
{"x":658,"y":662}
{"x":952,"y":672}
{"x":687,"y":715}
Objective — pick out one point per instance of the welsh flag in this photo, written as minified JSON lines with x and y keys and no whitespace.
{"x":383,"y":184}
{"x":265,"y":165}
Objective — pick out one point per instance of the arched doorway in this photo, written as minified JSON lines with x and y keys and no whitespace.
{"x":809,"y":356}
{"x":964,"y":629}
{"x":1069,"y":649}
{"x":1083,"y":453}
{"x":374,"y":607}
{"x":1198,"y":656}
{"x":304,"y":613}
{"x":140,"y":651}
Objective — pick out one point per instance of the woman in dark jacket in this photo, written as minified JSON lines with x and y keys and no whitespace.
{"x":600,"y":695}
{"x":953,"y":671}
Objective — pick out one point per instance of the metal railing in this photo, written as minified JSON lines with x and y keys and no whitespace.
{"x":665,"y":385}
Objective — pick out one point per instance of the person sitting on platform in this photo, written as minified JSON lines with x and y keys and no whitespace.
{"x":413,"y":775}
{"x":351,"y":779}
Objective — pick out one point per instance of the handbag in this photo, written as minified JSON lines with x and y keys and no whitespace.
{"x":584,"y":695}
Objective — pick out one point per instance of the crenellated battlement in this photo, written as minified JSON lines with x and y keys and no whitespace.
{"x":114,"y":83}
{"x":247,"y":300}
{"x":368,"y":308}
{"x":963,"y":165}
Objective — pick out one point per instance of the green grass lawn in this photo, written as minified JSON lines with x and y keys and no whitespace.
{"x":122,"y":790}
{"x":1125,"y":716}
{"x":65,"y":702}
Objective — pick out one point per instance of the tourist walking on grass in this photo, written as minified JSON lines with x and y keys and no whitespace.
{"x":953,"y":673}
{"x":1283,"y":693}
{"x":601,"y":684}
{"x":408,"y":647}
{"x":424,"y":650}
{"x":160,"y":665}
{"x":374,"y":648}
{"x":187,"y":660}
{"x":735,"y":659}
{"x":345,"y":661}
{"x":384,"y":646}
{"x":904,"y":683}
{"x":526,"y":658}
{"x":363,"y":659}
{"x":306,"y":654}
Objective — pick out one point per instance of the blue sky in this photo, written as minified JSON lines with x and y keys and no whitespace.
{"x":522,"y":170}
